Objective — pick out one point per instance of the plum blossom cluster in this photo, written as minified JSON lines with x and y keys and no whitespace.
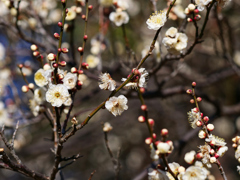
{"x":174,"y":41}
{"x":116,"y":105}
{"x":214,"y":147}
{"x":236,"y":146}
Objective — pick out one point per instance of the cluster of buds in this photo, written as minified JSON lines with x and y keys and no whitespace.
{"x":236,"y":146}
{"x":191,"y":10}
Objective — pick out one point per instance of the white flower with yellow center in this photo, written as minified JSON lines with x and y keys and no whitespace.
{"x":70,"y":80}
{"x":57,"y":95}
{"x":42,"y":77}
{"x":163,"y":148}
{"x":92,"y":61}
{"x":157,"y":20}
{"x":193,"y":173}
{"x":156,"y":175}
{"x":193,"y":118}
{"x":119,"y":17}
{"x":106,"y":82}
{"x":71,"y":15}
{"x":116,"y":105}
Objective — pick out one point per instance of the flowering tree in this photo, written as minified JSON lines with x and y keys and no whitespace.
{"x":58,"y":86}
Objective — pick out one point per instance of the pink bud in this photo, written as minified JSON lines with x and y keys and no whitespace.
{"x":164,"y":132}
{"x":20,"y":66}
{"x":154,"y":136}
{"x":90,"y":7}
{"x":151,"y":122}
{"x":142,"y":90}
{"x":199,"y":99}
{"x":141,"y":119}
{"x":85,"y":65}
{"x":85,"y":37}
{"x":80,"y":71}
{"x":80,"y":49}
{"x":194,"y":84}
{"x":36,"y":53}
{"x":192,"y":101}
{"x":60,"y":24}
{"x":83,"y":17}
{"x":62,"y":63}
{"x":56,"y":35}
{"x":199,"y":123}
{"x":144,"y":107}
{"x":199,"y":156}
{"x":210,"y":127}
{"x":205,"y":119}
{"x":64,"y":50}
{"x":55,"y":65}
{"x":148,"y":140}
{"x":189,"y":20}
{"x":73,"y":70}
{"x":189,"y":91}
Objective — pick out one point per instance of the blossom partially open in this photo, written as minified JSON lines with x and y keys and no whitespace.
{"x":193,"y":117}
{"x":106,"y":82}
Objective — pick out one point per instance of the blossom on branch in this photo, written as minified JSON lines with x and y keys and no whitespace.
{"x":119,"y":17}
{"x":57,"y":95}
{"x":157,"y":20}
{"x":116,"y":105}
{"x":107,"y":83}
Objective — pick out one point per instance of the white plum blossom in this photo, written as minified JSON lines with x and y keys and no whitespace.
{"x":42,"y":77}
{"x":57,"y":95}
{"x":34,"y":106}
{"x":92,"y":61}
{"x":193,"y":118}
{"x":106,"y":82}
{"x":157,"y":20}
{"x":217,"y":140}
{"x":142,"y":82}
{"x":71,"y":15}
{"x":237,"y":153}
{"x":174,"y":41}
{"x":156,"y":175}
{"x":119,"y":17}
{"x":222,"y":150}
{"x":205,"y":150}
{"x":189,"y":157}
{"x":153,"y":154}
{"x":163,"y":148}
{"x":179,"y":11}
{"x":193,"y":173}
{"x":70,"y":80}
{"x":116,"y":105}
{"x":201,"y":3}
{"x":68,"y":102}
{"x":174,"y":167}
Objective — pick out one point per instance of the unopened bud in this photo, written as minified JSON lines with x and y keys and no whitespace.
{"x":36,"y":53}
{"x":189,"y":91}
{"x":20,"y":66}
{"x":181,"y":169}
{"x":205,"y":119}
{"x":154,"y":136}
{"x":151,"y":122}
{"x":34,"y":47}
{"x":90,"y":7}
{"x":31,"y":86}
{"x":199,"y":99}
{"x":194,"y":84}
{"x":164,"y":132}
{"x":189,"y":20}
{"x":62,"y":63}
{"x":83,"y":17}
{"x":85,"y":37}
{"x":199,"y":123}
{"x":192,"y":101}
{"x":234,"y":145}
{"x":212,"y":152}
{"x":144,"y":107}
{"x":46,"y":66}
{"x":55,"y":65}
{"x":148,"y":140}
{"x":196,"y":11}
{"x":60,"y":76}
{"x":210,"y":127}
{"x":216,"y":156}
{"x":197,"y":17}
{"x":51,"y":56}
{"x":202,"y":134}
{"x":136,"y":72}
{"x":212,"y":143}
{"x":191,"y":7}
{"x":142,"y":90}
{"x":74,"y":121}
{"x":56,"y":35}
{"x":73,"y":70}
{"x":63,"y":1}
{"x":65,"y":50}
{"x":79,"y":85}
{"x":187,"y":11}
{"x":80,"y":71}
{"x":141,"y":119}
{"x":25,"y":88}
{"x":60,"y":24}
{"x":85,"y":65}
{"x":199,"y":156}
{"x":212,"y":160}
{"x":80,"y":49}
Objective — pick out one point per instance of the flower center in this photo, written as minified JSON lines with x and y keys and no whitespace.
{"x":39,"y":76}
{"x":57,"y":94}
{"x":193,"y":174}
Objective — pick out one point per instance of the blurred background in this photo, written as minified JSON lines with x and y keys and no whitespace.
{"x":214,"y":65}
